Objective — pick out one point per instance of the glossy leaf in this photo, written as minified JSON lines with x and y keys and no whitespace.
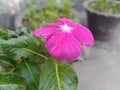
{"x":8,"y":34}
{"x":7,"y":62}
{"x":12,"y":82}
{"x":22,"y":31}
{"x":30,"y":72}
{"x":57,"y":76}
{"x":22,"y":47}
{"x":3,"y":34}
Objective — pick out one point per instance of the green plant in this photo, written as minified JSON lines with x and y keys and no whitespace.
{"x":35,"y":18}
{"x":12,"y":82}
{"x":106,"y":6}
{"x":101,"y":4}
{"x":26,"y":67}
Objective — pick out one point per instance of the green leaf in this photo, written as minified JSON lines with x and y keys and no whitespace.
{"x":3,"y":34}
{"x":101,"y":4}
{"x":23,"y":47}
{"x":22,"y":31}
{"x":31,"y":72}
{"x":7,"y":62}
{"x":12,"y":34}
{"x":12,"y":82}
{"x":57,"y":76}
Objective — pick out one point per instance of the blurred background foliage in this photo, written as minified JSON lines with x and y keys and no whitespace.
{"x":49,"y":12}
{"x":106,"y":6}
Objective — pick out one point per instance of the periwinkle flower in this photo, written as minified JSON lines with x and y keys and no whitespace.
{"x":64,"y":39}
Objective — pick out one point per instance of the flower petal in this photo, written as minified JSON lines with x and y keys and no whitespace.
{"x":83,"y":34}
{"x":45,"y":32}
{"x":64,"y":46}
{"x":52,"y":25}
{"x":65,"y":21}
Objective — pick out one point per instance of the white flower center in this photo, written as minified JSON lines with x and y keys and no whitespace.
{"x":66,"y":28}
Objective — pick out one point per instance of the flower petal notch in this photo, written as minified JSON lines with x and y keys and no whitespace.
{"x":64,"y":39}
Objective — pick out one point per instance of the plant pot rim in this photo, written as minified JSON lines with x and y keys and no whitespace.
{"x":85,"y":4}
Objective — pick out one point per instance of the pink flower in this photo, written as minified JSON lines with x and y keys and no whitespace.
{"x":64,"y":39}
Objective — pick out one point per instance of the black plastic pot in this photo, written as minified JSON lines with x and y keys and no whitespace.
{"x":102,"y":25}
